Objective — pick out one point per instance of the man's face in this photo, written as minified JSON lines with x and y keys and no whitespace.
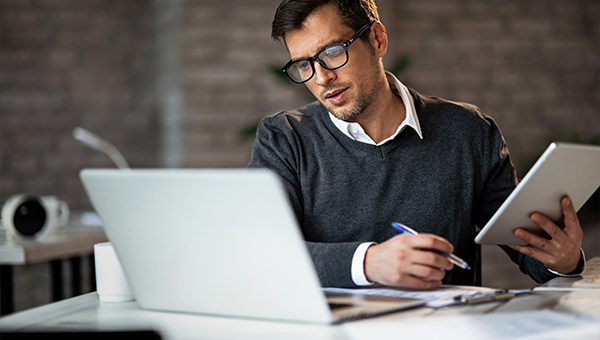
{"x":351,"y":89}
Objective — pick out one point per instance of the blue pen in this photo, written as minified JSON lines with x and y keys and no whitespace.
{"x":451,"y":257}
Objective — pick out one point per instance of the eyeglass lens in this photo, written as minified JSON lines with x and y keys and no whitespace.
{"x":331,"y":57}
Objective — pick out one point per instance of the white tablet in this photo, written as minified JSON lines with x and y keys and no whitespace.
{"x":563,"y":169}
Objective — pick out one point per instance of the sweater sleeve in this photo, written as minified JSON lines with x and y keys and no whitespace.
{"x":499,"y":181}
{"x":277,"y":147}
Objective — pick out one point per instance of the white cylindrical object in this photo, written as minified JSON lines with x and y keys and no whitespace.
{"x":111,"y":282}
{"x":58,"y":210}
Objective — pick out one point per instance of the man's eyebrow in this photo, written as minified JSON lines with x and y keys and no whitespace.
{"x":329,"y":43}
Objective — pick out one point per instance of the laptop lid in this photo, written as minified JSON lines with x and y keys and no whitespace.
{"x":223,"y":242}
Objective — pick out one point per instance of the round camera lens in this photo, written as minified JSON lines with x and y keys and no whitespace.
{"x":29,"y":218}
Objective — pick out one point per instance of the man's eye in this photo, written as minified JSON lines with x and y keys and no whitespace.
{"x":303,"y":65}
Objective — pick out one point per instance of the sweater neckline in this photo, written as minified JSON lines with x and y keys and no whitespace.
{"x":323,"y":117}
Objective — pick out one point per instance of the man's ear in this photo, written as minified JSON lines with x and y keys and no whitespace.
{"x":378,"y":38}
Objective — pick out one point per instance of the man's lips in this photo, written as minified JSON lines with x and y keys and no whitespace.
{"x":333,"y":93}
{"x":335,"y":96}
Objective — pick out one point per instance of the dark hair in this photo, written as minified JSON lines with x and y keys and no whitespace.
{"x":290,"y":14}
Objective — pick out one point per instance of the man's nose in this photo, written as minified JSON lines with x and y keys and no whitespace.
{"x":322,"y":75}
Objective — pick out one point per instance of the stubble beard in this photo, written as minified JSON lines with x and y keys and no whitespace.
{"x":361,"y":104}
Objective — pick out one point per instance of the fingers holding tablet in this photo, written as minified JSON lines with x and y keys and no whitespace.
{"x":561,"y":252}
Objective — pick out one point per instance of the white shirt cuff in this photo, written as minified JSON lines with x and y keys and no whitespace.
{"x":358,"y":265}
{"x":571,"y":275}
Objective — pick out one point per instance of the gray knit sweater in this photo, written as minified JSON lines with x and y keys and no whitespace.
{"x":345,"y":192}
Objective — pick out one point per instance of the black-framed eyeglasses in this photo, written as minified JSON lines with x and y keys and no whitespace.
{"x":331,"y":58}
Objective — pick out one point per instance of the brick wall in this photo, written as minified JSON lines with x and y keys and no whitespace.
{"x":226,"y":54}
{"x":66,"y":64}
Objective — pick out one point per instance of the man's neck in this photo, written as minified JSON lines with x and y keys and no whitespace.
{"x":383,"y":117}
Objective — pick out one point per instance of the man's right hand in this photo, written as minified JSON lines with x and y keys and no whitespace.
{"x":406,"y":260}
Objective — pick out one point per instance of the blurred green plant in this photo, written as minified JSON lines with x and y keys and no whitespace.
{"x":400,"y":65}
{"x":249,"y":132}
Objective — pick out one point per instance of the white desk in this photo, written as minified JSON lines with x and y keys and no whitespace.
{"x":556,"y":314}
{"x":85,"y":313}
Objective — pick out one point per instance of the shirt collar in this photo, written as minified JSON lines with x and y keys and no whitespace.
{"x":356,"y":132}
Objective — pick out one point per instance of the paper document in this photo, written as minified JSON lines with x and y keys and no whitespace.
{"x":589,"y":279}
{"x":439,"y":297}
{"x":531,"y":325}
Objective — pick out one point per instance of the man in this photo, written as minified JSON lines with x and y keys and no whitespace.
{"x":371,"y":151}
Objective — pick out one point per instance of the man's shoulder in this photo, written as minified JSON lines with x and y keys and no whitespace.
{"x":448,"y":110}
{"x":433,"y":104}
{"x":308,"y":110}
{"x":307,"y":115}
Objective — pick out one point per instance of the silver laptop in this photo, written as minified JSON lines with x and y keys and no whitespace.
{"x":220,"y":242}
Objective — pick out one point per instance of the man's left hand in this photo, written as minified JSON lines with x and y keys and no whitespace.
{"x":562,"y":252}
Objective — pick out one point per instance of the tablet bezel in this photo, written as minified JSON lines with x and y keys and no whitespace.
{"x":563,"y":169}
